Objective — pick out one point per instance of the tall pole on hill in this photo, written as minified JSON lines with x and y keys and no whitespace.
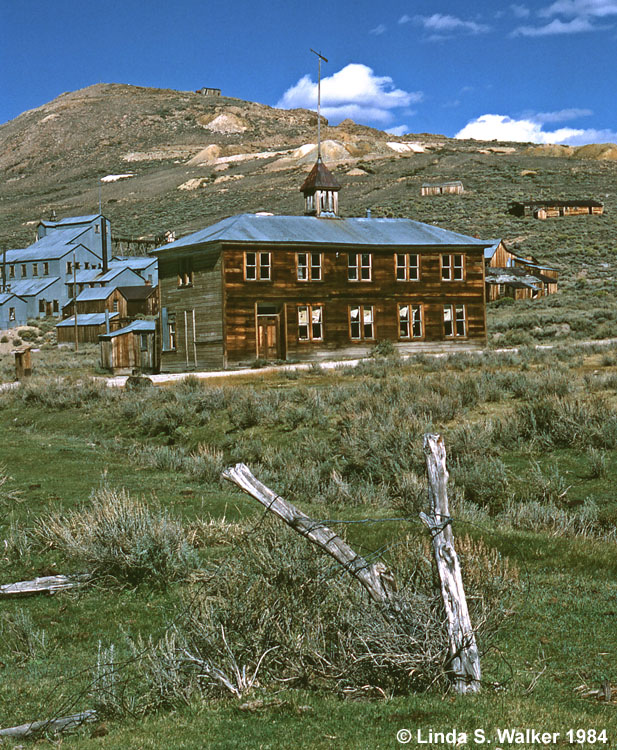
{"x":320,"y":57}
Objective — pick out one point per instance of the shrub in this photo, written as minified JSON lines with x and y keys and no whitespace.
{"x":280,"y":611}
{"x":19,"y":635}
{"x":118,"y":536}
{"x":5,"y":339}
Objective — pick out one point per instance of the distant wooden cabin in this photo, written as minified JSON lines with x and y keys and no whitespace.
{"x":89,"y":328}
{"x":442,"y":188}
{"x":13,"y":311}
{"x":129,"y":349}
{"x":205,"y":91}
{"x":509,"y":275}
{"x":549,"y":209}
{"x":128,"y":301}
{"x":310,"y":287}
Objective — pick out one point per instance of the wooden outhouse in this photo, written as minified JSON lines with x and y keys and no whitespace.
{"x":130,"y":349}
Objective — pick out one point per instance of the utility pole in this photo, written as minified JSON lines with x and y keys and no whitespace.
{"x":75,"y":297}
{"x":320,"y":57}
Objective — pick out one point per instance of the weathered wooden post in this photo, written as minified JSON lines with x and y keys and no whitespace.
{"x":464,"y":657}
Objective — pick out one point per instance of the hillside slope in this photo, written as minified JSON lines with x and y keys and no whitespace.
{"x":196,"y":159}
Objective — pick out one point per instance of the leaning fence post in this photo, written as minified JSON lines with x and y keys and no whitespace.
{"x":464,"y":657}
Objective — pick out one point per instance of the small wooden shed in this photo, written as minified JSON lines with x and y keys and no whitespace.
{"x":442,"y":188}
{"x":130,"y":348}
{"x":89,"y":328}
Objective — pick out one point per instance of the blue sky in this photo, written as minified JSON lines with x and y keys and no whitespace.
{"x":539,"y":71}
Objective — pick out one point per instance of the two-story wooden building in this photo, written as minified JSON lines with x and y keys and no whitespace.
{"x":316,"y":286}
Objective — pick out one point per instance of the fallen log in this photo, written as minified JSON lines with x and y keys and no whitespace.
{"x":375,"y":577}
{"x":43,"y":585}
{"x":464,"y":657}
{"x":53,"y":725}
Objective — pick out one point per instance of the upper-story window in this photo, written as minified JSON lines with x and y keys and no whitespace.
{"x":310,"y":322}
{"x":69,"y":267}
{"x":407,"y":267}
{"x":257,"y":266}
{"x":452,"y":267}
{"x":454,"y":320}
{"x":361,"y":322}
{"x":359,"y":266}
{"x":35,"y":269}
{"x":24,"y":270}
{"x":185,"y":273}
{"x":45,"y":269}
{"x":309,"y":266}
{"x":11,"y":272}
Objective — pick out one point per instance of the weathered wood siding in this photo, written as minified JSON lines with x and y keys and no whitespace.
{"x":336,"y":294}
{"x":123,"y":353}
{"x":199,"y":346}
{"x":85,"y":334}
{"x":502,"y":257}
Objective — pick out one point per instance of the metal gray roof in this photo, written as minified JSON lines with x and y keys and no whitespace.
{"x":98,"y":292}
{"x":115,"y":271}
{"x":28,"y":287}
{"x":138,"y":326}
{"x":310,"y":230}
{"x":71,"y":220}
{"x":86,"y":319}
{"x":6,"y":296}
{"x":84,"y":276}
{"x":133,"y":261}
{"x":50,"y":247}
{"x":492,"y":249}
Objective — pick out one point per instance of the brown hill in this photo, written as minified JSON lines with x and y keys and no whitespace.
{"x":181,"y":160}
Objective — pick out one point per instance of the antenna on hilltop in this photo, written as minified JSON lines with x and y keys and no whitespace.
{"x":320,"y":57}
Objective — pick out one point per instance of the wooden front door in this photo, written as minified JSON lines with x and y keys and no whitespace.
{"x":267,"y":337}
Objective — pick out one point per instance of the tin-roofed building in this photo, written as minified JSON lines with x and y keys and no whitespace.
{"x":13,"y":311}
{"x":311,"y":287}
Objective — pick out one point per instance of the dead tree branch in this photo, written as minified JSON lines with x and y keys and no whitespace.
{"x":44,"y":585}
{"x":375,"y":577}
{"x":53,"y":725}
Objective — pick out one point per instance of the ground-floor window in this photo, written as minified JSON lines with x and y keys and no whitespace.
{"x":55,"y":306}
{"x":361,"y":322}
{"x":11,"y":313}
{"x":454,"y":320}
{"x":42,"y":306}
{"x":310,"y":322}
{"x":410,"y":321}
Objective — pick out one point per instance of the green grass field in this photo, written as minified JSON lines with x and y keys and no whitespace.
{"x":532,"y":441}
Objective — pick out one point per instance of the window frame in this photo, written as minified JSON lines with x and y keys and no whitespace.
{"x":407,"y":267}
{"x":362,"y":309}
{"x":410,"y":322}
{"x":313,"y":271}
{"x":450,"y":269}
{"x":455,"y":309}
{"x":356,"y":268}
{"x":185,"y":273}
{"x":258,"y":265}
{"x":310,"y":335}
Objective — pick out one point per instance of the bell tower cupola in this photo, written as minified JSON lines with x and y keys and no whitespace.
{"x":320,"y":192}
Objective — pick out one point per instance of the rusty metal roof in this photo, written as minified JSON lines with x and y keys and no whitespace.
{"x":319,"y":178}
{"x":309,"y":230}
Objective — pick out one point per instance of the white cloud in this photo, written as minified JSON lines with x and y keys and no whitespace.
{"x":404,"y":18}
{"x":440,"y":24}
{"x":575,"y":26}
{"x":354,"y":91}
{"x":381,"y":29}
{"x":593,"y":8}
{"x":398,"y":130}
{"x":504,"y":128}
{"x":561,"y":115}
{"x":520,"y":11}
